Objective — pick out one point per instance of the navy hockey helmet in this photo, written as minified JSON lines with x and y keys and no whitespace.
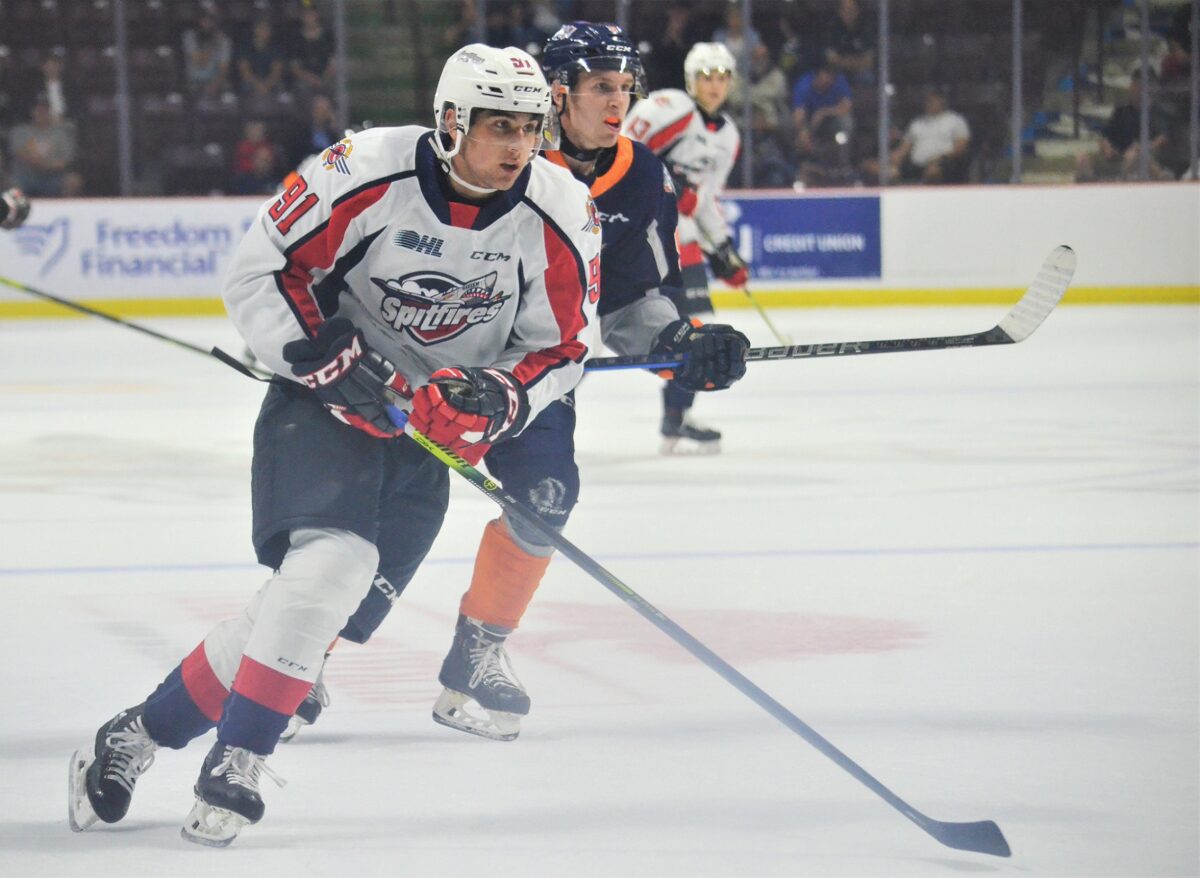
{"x":583,"y":47}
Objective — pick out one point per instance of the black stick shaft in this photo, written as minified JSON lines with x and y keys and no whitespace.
{"x":983,"y":837}
{"x":816,"y":351}
{"x":122,"y":322}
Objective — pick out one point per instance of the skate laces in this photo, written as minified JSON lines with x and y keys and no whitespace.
{"x":491,"y":664}
{"x":242,"y":767}
{"x":132,"y":753}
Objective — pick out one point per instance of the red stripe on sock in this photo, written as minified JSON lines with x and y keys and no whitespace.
{"x":202,"y":683}
{"x":269,"y":687}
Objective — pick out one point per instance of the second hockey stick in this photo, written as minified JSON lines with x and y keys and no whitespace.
{"x":1027,"y":315}
{"x":982,"y":836}
{"x":136,"y":327}
{"x":783,"y":338}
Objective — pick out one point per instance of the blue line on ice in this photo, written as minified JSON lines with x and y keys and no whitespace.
{"x":667,"y":556}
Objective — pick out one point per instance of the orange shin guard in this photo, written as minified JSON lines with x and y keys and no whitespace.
{"x":504,"y":580}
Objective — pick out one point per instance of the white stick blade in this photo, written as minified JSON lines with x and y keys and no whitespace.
{"x":1044,"y":293}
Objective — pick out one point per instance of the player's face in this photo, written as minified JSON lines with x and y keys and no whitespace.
{"x":711,"y":90}
{"x":497,"y":148}
{"x":596,"y":107}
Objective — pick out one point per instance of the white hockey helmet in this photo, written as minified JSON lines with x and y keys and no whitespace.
{"x":479,"y":77}
{"x":707,"y":58}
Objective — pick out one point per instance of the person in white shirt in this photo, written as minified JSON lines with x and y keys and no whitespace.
{"x":934,"y":148}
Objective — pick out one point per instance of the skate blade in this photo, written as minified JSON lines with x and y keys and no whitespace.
{"x":459,"y":711}
{"x":673,"y":446}
{"x":214,"y":827}
{"x":80,"y":813}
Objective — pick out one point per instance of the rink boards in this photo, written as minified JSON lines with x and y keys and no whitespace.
{"x":906,"y":246}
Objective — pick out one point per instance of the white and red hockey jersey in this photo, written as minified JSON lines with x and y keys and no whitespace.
{"x":700,"y":149}
{"x":367,"y":232}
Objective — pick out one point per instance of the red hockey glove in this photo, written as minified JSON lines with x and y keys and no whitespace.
{"x":467,"y":410}
{"x":353,"y":381}
{"x":14,"y":208}
{"x":728,"y":265}
{"x":714,"y":355}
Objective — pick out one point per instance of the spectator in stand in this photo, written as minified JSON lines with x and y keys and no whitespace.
{"x":1177,"y":64}
{"x":823,"y":120}
{"x":43,"y":152}
{"x":664,"y":61}
{"x":260,"y":63}
{"x":320,"y":131}
{"x":463,"y":30}
{"x":207,"y":52}
{"x":850,"y":43}
{"x":312,"y":63}
{"x":767,"y":89}
{"x":768,"y":94}
{"x":935,"y":147}
{"x":53,"y":87}
{"x":544,"y":21}
{"x":1120,"y":143}
{"x":256,"y":166}
{"x":734,"y":35}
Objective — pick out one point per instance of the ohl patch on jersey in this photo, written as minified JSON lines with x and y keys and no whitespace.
{"x":432,"y":307}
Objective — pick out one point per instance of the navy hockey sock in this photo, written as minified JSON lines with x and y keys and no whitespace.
{"x":171,"y":717}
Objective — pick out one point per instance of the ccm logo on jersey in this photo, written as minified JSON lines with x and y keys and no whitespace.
{"x":433,"y":307}
{"x":331,"y":372}
{"x":488,"y":256}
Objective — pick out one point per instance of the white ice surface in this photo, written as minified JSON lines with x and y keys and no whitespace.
{"x":974,"y":571}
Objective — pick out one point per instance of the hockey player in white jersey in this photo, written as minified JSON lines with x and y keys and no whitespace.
{"x":699,"y":145}
{"x":595,"y":73}
{"x":442,"y":271}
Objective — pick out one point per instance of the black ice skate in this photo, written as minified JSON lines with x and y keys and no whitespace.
{"x":687,"y":437}
{"x":102,"y":776}
{"x":227,"y":796}
{"x":482,"y":696}
{"x":310,"y":708}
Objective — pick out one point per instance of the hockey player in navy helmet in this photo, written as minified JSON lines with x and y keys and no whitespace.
{"x":374,"y":281}
{"x":699,"y":145}
{"x":595,"y":73}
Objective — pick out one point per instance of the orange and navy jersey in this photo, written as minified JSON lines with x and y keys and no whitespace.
{"x":636,"y":204}
{"x":697,"y":148}
{"x":367,"y":231}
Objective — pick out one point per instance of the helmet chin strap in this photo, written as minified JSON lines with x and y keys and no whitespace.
{"x":449,"y":168}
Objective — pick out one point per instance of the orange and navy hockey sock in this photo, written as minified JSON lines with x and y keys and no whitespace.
{"x":505,"y":578}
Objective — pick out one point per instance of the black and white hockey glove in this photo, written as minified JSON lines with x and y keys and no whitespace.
{"x":714,"y":355}
{"x":14,"y":208}
{"x":728,"y":265}
{"x":468,"y":409}
{"x":350,"y":379}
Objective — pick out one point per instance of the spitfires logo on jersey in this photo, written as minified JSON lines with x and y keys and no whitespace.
{"x":433,"y":307}
{"x":335,"y":157}
{"x":594,"y":223}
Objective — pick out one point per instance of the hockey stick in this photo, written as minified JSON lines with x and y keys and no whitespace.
{"x":1026,"y":316}
{"x":782,"y":337}
{"x":982,"y":836}
{"x":225,"y":358}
